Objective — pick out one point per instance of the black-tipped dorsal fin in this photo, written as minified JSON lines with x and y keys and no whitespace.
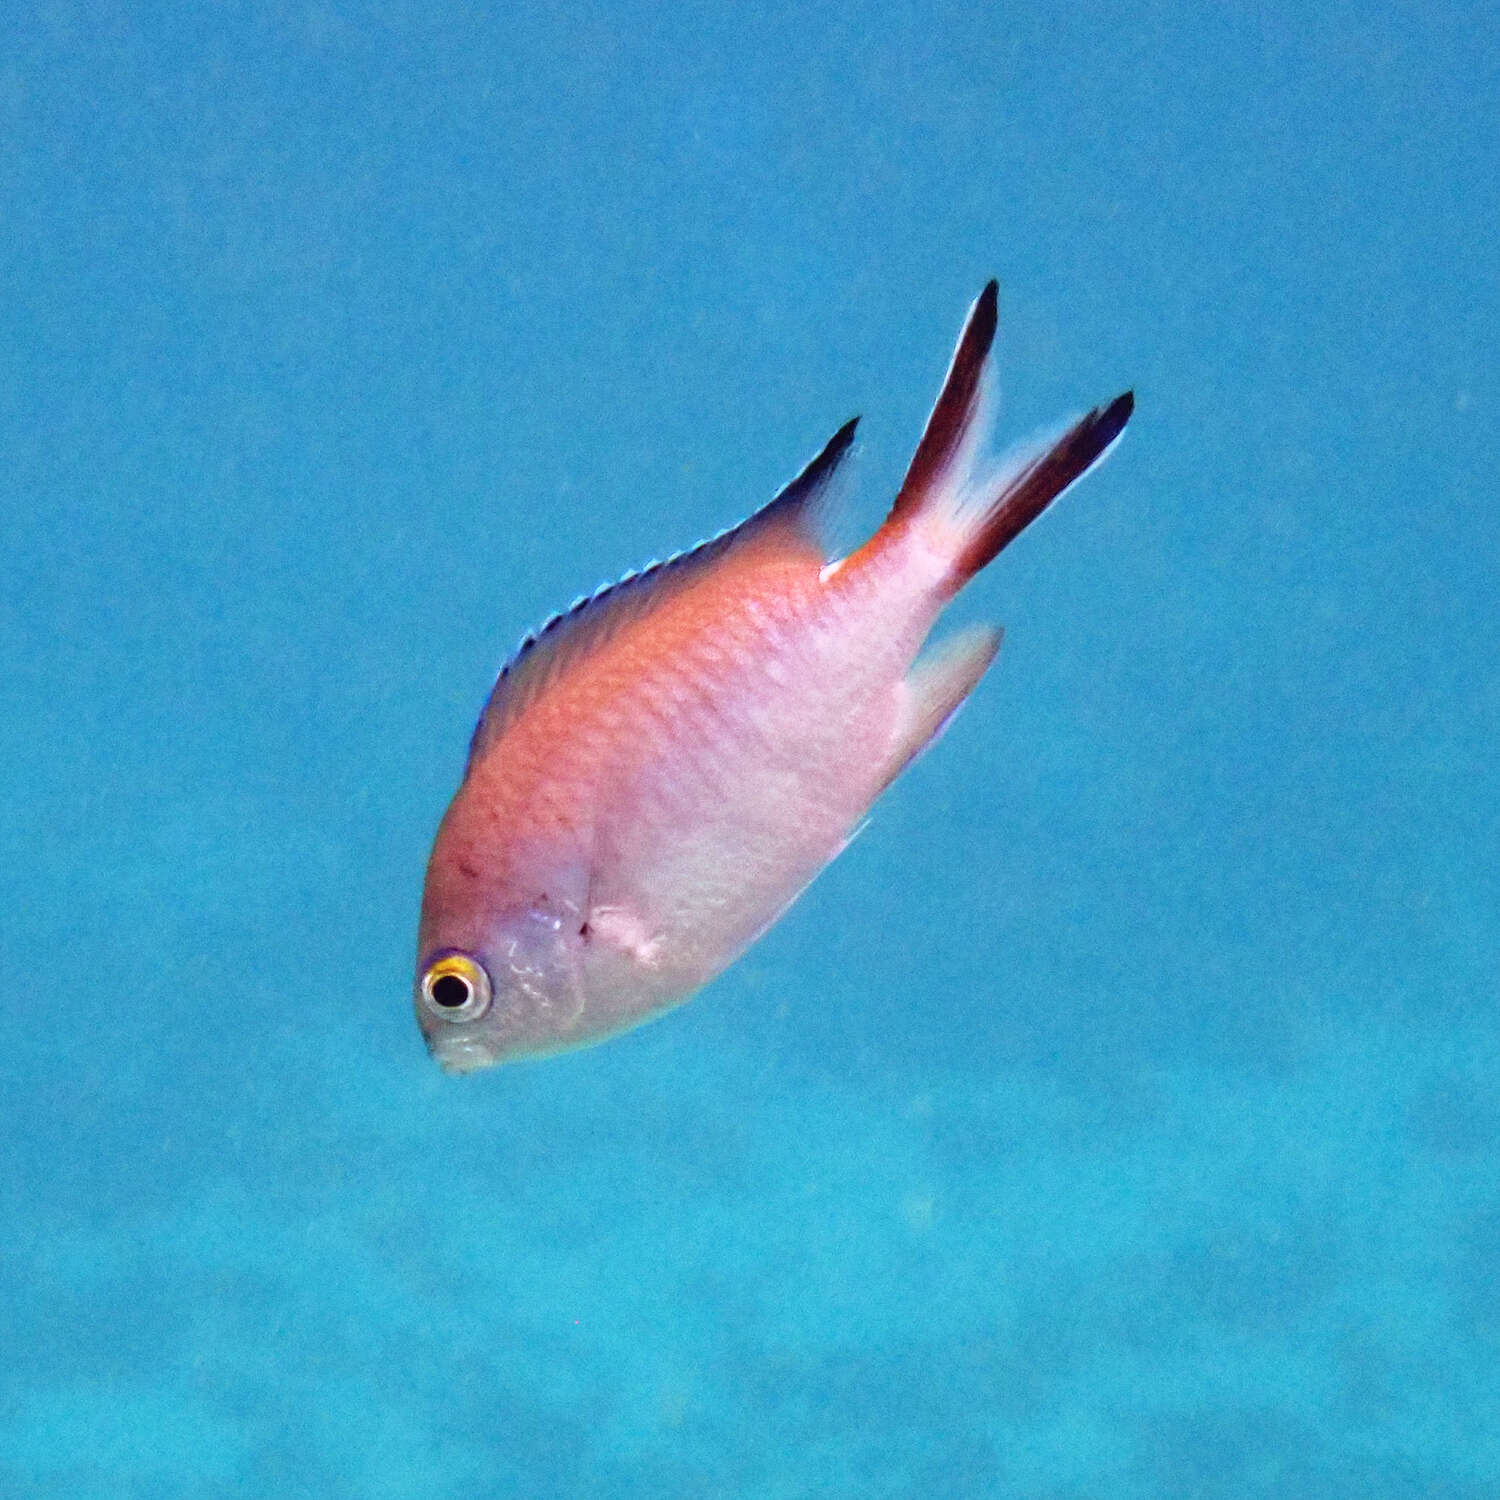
{"x":953,"y":414}
{"x":568,"y":638}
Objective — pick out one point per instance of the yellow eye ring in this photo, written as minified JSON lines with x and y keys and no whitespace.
{"x":455,"y":987}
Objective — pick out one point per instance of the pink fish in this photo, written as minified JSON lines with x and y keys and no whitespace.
{"x":660,"y":771}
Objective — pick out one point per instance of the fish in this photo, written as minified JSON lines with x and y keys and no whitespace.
{"x":660,"y":771}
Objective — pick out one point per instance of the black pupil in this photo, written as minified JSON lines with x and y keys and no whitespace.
{"x":450,"y":991}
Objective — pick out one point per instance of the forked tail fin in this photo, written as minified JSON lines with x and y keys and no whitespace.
{"x":969,"y":509}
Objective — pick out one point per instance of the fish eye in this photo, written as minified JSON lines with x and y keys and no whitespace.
{"x":455,"y":987}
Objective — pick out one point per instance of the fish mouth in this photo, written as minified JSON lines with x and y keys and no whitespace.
{"x":462,"y":1055}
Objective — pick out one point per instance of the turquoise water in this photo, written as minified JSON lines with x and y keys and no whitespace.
{"x":1117,"y":1118}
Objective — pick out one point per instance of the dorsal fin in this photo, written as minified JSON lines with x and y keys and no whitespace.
{"x":952,"y":416}
{"x":591,"y":621}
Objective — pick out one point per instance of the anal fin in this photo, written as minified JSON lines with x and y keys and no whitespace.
{"x":935,"y":689}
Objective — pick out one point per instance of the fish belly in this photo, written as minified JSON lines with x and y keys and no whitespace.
{"x":758,"y":783}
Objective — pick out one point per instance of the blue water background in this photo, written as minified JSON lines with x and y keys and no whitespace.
{"x":1117,"y":1117}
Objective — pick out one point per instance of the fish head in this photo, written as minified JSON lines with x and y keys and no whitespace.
{"x":505,"y":987}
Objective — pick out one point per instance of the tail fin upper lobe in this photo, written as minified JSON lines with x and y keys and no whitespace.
{"x":971,"y":512}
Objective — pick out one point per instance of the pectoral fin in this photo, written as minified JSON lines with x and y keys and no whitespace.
{"x":935,"y":689}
